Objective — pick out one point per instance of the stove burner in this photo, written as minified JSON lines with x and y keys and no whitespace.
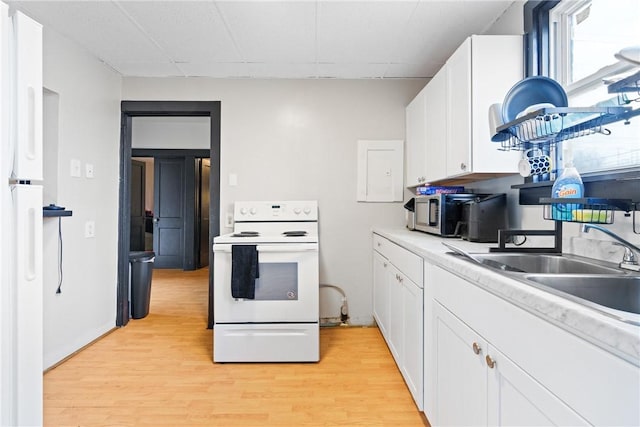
{"x":246,"y":234}
{"x":295,"y":233}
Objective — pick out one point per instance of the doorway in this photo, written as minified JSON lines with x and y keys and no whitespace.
{"x":170,"y":206}
{"x":130,"y":109}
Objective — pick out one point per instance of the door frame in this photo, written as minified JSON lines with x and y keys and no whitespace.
{"x":130,"y":109}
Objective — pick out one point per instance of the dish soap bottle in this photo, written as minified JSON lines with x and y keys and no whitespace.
{"x":567,"y":185}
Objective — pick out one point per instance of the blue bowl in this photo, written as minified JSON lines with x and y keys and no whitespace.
{"x":530,"y":91}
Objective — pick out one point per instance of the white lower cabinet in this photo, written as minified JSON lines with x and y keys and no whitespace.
{"x":380,"y":288}
{"x":494,"y":390}
{"x":397,"y":308}
{"x":499,"y":365}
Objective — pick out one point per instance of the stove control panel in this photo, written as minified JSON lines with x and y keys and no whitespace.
{"x":276,"y":211}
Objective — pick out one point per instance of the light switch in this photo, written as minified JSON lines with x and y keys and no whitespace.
{"x":233,"y":180}
{"x":75,"y":168}
{"x":88,"y":170}
{"x":89,"y":229}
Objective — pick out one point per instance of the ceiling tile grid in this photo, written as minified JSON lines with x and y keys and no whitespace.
{"x":269,"y":39}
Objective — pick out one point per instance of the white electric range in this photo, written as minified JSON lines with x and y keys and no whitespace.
{"x":266,"y":284}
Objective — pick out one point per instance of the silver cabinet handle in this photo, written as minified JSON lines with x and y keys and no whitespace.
{"x":476,"y":348}
{"x":490,"y":362}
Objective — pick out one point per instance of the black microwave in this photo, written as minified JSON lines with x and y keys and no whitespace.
{"x":440,"y":213}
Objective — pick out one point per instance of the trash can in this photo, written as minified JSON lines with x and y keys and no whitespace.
{"x":141,"y":272}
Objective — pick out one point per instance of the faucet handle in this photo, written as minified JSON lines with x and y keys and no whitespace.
{"x":628,"y":257}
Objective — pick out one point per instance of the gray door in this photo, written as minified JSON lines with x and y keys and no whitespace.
{"x":168,"y":228}
{"x":203,"y":212}
{"x":137,"y":206}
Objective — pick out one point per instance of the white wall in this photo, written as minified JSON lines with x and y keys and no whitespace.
{"x":170,"y":132}
{"x":510,"y":22}
{"x":296,"y":139}
{"x":88,"y":130}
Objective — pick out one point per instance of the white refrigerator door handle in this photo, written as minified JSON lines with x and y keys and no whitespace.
{"x":288,"y":248}
{"x":28,"y":216}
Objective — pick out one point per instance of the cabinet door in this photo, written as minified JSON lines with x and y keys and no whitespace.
{"x":412,"y":354}
{"x":395,"y":313}
{"x":381,"y":293}
{"x":489,"y":85}
{"x":429,"y":369}
{"x":516,"y":399}
{"x":415,"y":122}
{"x":436,"y":129}
{"x":461,"y":372}
{"x":458,"y":70}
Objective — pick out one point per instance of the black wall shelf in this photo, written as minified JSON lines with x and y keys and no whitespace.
{"x":615,"y":186}
{"x":49,"y":213}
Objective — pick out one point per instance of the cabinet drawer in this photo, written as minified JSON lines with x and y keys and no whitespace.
{"x":407,"y":262}
{"x":381,"y":245}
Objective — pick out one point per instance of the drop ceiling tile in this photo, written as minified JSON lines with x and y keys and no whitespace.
{"x":351,"y":71}
{"x":423,"y":70}
{"x":188,"y":31}
{"x":215,"y":69}
{"x":282,"y":71}
{"x":147,"y":69}
{"x":437,"y":28}
{"x":271,"y":32}
{"x":99,"y":26}
{"x":360,"y":32}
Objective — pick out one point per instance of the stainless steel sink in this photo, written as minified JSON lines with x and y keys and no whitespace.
{"x":546,"y":263}
{"x":603,"y":291}
{"x":593,"y":283}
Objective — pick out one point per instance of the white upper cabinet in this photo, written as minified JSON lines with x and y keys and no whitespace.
{"x":416,"y":136}
{"x":479,"y":73}
{"x":436,"y":127}
{"x":453,"y":140}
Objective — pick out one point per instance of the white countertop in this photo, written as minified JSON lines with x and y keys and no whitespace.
{"x":612,"y":335}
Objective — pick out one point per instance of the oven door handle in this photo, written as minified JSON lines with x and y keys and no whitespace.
{"x":288,"y":248}
{"x":273,"y":248}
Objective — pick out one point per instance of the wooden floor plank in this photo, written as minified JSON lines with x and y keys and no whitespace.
{"x":158,"y":371}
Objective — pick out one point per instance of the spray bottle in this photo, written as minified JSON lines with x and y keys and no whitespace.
{"x":567,"y":185}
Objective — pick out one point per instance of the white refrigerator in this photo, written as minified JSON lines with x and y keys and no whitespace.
{"x":21,"y":341}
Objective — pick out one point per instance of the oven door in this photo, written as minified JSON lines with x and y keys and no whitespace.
{"x":287,"y":289}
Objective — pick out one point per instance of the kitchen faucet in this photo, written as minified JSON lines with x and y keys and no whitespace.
{"x":629,"y":260}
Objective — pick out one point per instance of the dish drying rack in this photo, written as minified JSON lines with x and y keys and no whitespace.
{"x":548,"y":126}
{"x":585,"y":210}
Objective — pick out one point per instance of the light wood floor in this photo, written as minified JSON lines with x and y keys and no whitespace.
{"x":158,"y":371}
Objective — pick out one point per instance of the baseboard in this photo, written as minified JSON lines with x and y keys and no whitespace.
{"x":55,"y":360}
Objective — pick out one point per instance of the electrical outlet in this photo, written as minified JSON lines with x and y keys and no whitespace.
{"x":88,"y":170}
{"x":229,"y":220}
{"x":89,"y":229}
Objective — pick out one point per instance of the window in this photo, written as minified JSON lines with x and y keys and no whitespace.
{"x":584,"y":36}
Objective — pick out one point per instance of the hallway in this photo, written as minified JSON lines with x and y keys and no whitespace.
{"x":159,"y":371}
